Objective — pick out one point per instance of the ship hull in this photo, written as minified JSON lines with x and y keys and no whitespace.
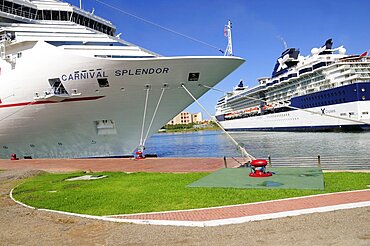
{"x":95,"y":121}
{"x":323,"y":119}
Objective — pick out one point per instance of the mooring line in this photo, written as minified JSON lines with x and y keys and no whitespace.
{"x":17,"y":111}
{"x":144,"y":116}
{"x":243,"y":151}
{"x":154,"y":114}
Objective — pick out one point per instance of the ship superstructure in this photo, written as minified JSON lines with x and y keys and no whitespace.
{"x":325,"y":91}
{"x":71,"y":88}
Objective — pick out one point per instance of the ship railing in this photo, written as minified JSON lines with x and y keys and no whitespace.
{"x":326,"y":162}
{"x":17,"y":12}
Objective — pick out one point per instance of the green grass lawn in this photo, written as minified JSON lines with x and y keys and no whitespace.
{"x":123,"y":193}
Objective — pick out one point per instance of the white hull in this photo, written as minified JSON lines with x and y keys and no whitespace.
{"x":67,"y":129}
{"x":306,"y":121}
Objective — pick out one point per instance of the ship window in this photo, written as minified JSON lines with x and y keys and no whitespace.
{"x":365,"y":112}
{"x":351,"y":113}
{"x":55,"y":15}
{"x":46,"y":14}
{"x":64,"y":15}
{"x":103,"y":82}
{"x":7,"y":4}
{"x":363,"y":98}
{"x":39,"y":15}
{"x":57,"y":86}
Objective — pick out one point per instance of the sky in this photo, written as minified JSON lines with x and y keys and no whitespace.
{"x":258,"y":27}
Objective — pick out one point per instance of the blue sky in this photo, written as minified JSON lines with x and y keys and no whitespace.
{"x":257,"y":26}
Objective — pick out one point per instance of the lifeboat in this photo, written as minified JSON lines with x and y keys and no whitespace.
{"x":267,"y":107}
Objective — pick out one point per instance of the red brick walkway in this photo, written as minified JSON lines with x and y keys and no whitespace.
{"x":260,"y":208}
{"x":181,"y":165}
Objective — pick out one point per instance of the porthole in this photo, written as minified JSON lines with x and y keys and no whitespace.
{"x":5,"y":147}
{"x":60,"y":144}
{"x":363,"y":98}
{"x":32,"y":145}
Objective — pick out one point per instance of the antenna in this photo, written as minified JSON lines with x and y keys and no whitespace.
{"x":227,"y":32}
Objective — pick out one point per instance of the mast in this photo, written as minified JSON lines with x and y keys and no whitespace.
{"x":227,"y":32}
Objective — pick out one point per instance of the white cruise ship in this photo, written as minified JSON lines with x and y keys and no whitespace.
{"x":325,"y":91}
{"x":70,"y":88}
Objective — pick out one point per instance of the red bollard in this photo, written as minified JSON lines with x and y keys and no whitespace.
{"x":258,"y":169}
{"x":139,"y":155}
{"x":13,"y":157}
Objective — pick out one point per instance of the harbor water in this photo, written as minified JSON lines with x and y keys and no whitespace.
{"x":260,"y":144}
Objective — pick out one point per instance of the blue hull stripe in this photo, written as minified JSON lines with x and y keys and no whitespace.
{"x":343,"y":94}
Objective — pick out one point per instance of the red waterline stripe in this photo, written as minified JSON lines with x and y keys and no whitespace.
{"x":47,"y":102}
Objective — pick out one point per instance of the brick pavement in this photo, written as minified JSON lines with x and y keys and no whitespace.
{"x":253,"y":209}
{"x":180,"y":165}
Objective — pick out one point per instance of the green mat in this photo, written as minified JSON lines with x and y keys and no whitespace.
{"x":284,"y":178}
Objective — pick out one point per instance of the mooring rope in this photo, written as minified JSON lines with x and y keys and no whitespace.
{"x":242,"y":150}
{"x":17,"y":111}
{"x":144,"y":116}
{"x":292,"y":107}
{"x":12,"y":95}
{"x":160,"y":26}
{"x":154,"y":114}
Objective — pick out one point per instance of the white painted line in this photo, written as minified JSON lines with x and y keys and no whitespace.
{"x":18,"y":202}
{"x":287,"y":214}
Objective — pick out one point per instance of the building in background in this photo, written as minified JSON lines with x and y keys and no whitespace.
{"x":197,"y":118}
{"x":186,"y":118}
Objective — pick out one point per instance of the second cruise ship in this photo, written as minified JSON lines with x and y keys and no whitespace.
{"x":325,"y":91}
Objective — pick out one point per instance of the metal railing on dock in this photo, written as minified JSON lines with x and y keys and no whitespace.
{"x":325,"y":162}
